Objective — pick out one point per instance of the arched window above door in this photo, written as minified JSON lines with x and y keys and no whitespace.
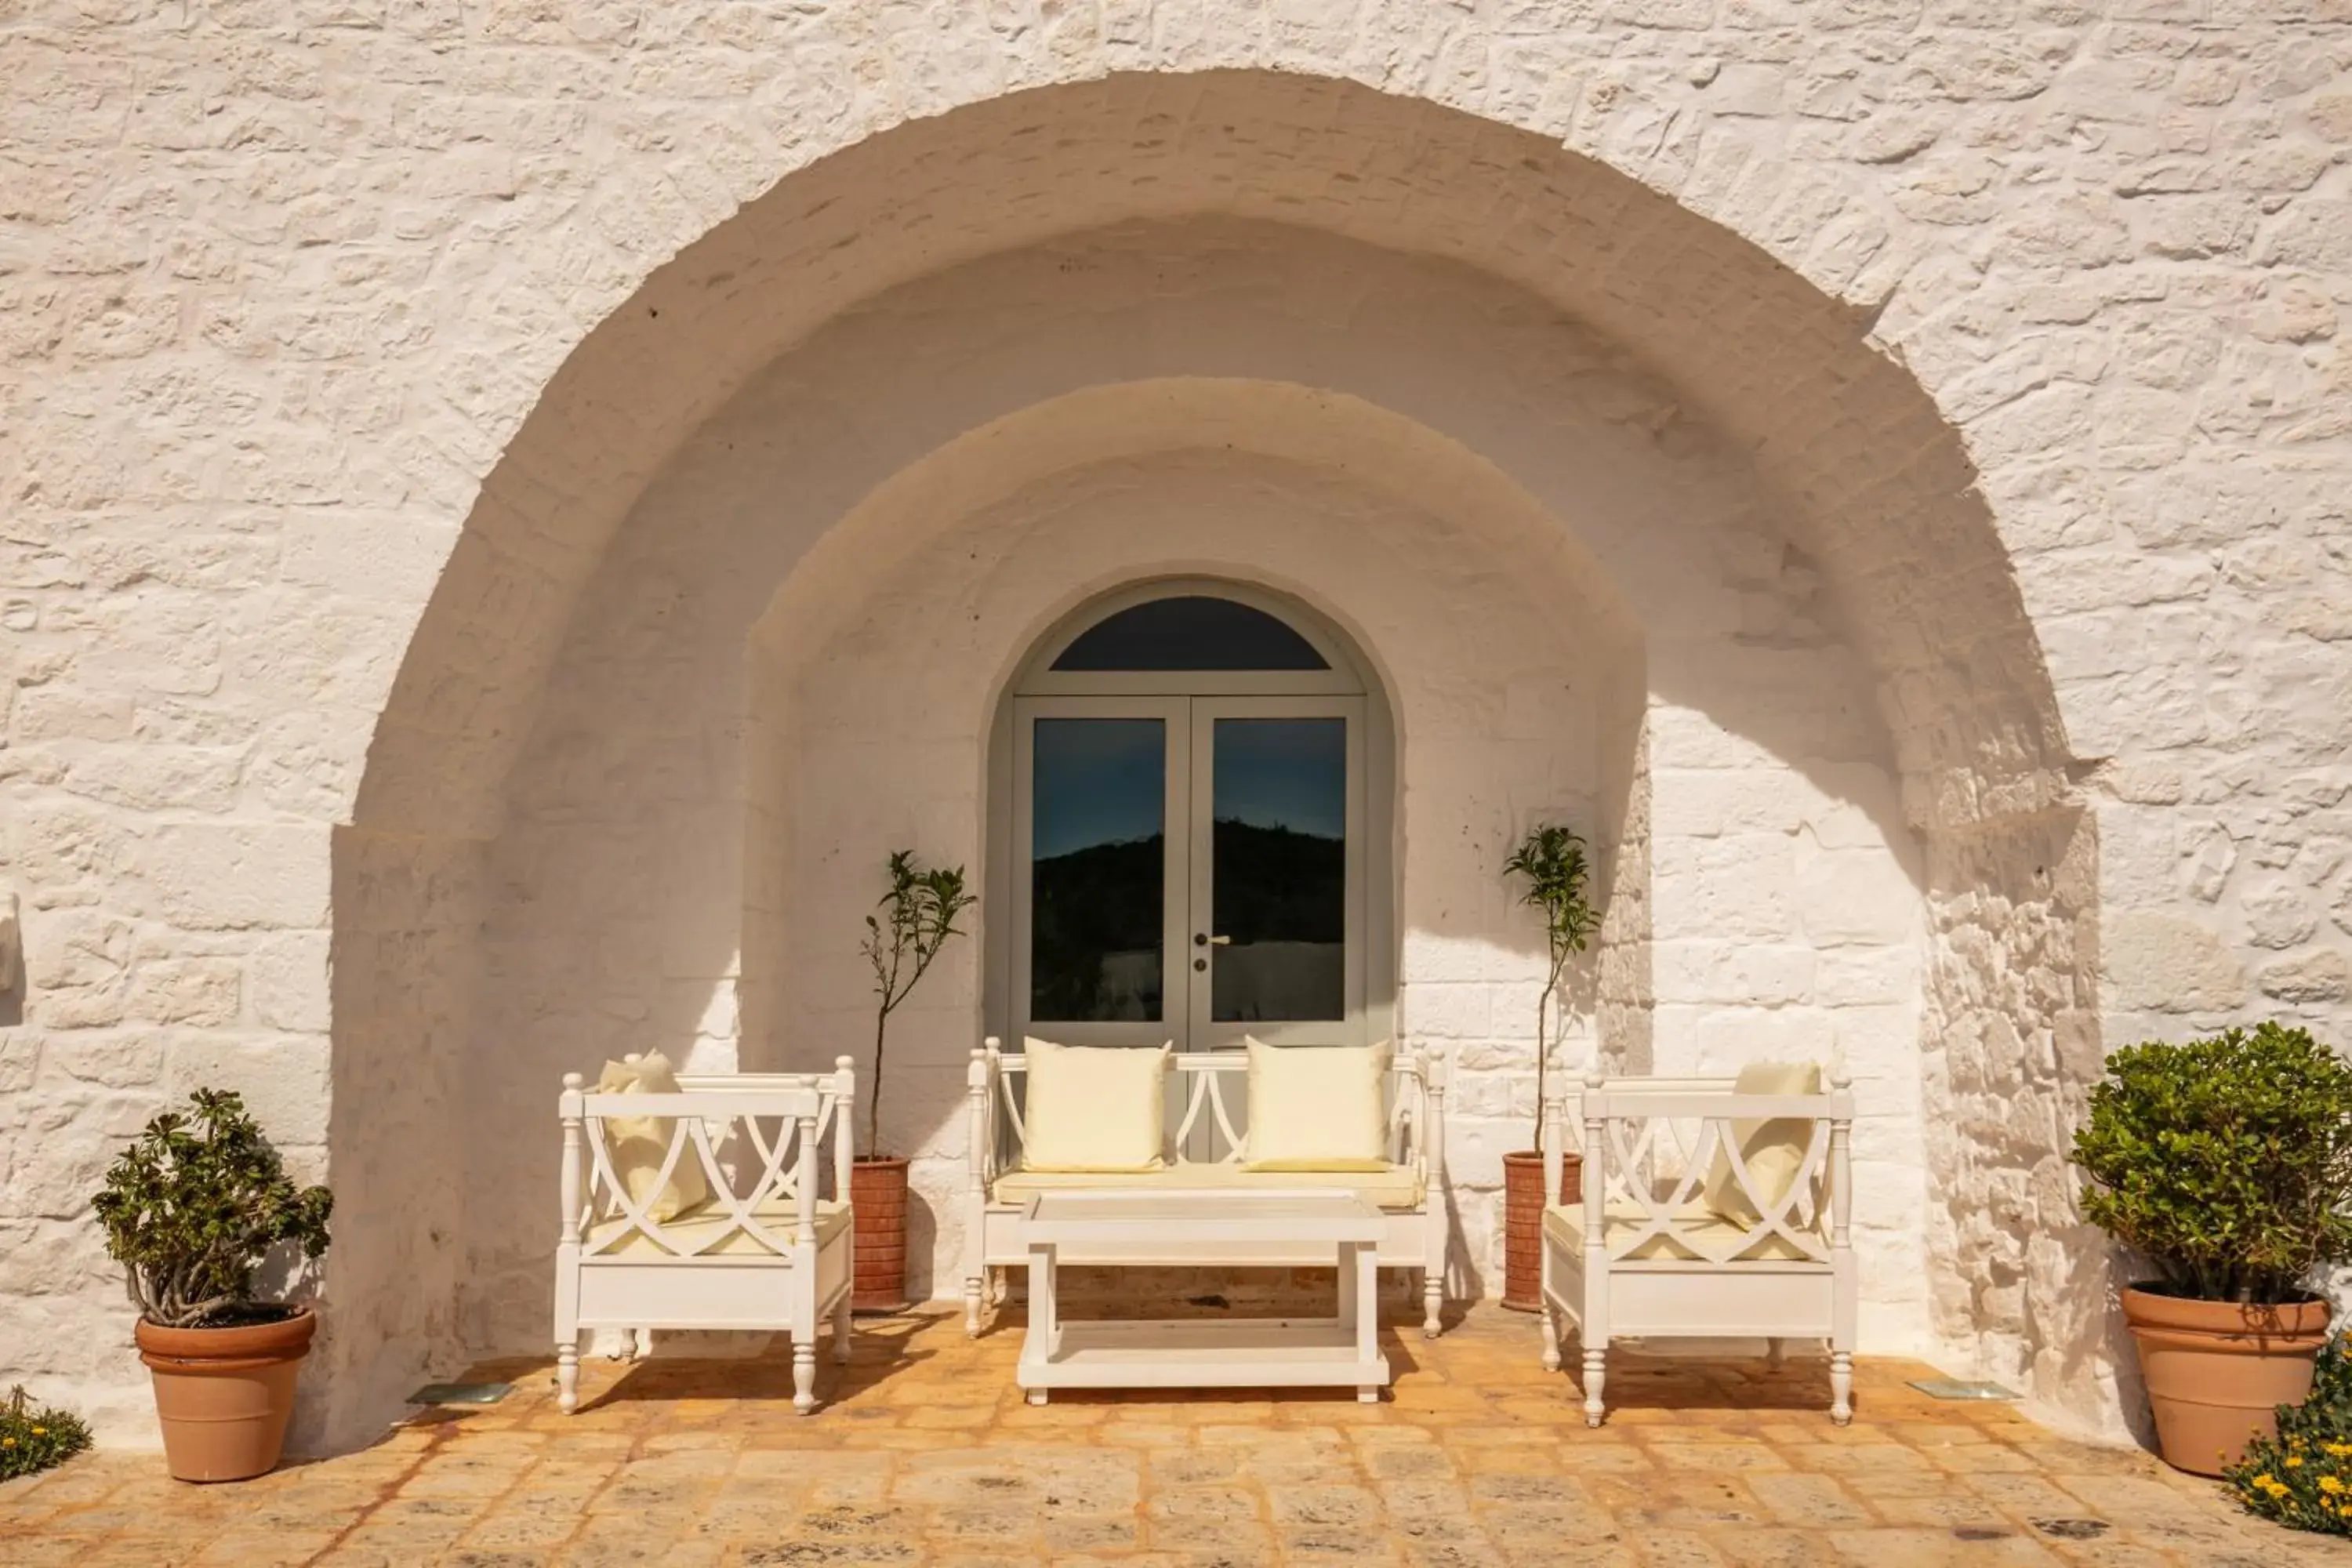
{"x":1192,"y":636}
{"x":1190,"y":631}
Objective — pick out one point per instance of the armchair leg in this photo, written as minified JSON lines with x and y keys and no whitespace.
{"x":974,"y":1288}
{"x":567,"y":1375}
{"x":1432,"y":1298}
{"x":805,"y":1374}
{"x":1596,"y":1373}
{"x":1841,"y":1386}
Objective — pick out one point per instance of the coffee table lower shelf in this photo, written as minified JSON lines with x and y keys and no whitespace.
{"x":1249,"y":1353}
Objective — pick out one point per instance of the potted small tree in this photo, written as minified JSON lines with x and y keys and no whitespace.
{"x":1550,"y":862}
{"x":191,"y":1209}
{"x":917,"y":914}
{"x":2226,"y":1161}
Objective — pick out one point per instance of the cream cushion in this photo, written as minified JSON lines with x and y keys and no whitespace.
{"x":639,"y":1144}
{"x":1094,"y":1108}
{"x":709,"y":1231}
{"x":1696,"y":1227}
{"x":1391,"y":1188}
{"x":1773,"y":1151}
{"x":1317,"y":1108}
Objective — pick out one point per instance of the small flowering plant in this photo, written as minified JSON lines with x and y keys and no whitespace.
{"x":2303,"y":1477}
{"x":33,"y":1439}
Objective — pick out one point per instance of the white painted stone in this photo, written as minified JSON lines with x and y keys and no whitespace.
{"x":2020,"y":707}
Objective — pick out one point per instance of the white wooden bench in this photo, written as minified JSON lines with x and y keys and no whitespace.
{"x":1205,"y":1156}
{"x":1678,"y":1235}
{"x":766,"y":1249}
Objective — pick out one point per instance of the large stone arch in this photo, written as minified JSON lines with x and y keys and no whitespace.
{"x":1874,"y":482}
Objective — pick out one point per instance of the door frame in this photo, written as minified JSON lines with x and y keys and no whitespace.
{"x":1350,"y":674}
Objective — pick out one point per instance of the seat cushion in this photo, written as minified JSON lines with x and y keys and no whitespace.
{"x":1773,"y":1151}
{"x":1317,"y":1108}
{"x":639,"y":1144}
{"x":1394,"y":1188}
{"x":1094,"y":1108}
{"x":1564,"y":1223}
{"x":710,"y":1232}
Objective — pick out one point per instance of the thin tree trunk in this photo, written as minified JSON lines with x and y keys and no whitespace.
{"x":874,"y":1095}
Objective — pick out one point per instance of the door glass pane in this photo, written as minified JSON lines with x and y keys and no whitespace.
{"x":1098,"y":869}
{"x":1280,"y":870}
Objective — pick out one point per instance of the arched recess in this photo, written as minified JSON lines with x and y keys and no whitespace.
{"x":1875,"y":484}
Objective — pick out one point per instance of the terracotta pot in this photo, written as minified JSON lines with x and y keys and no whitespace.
{"x":2217,"y":1371}
{"x":224,"y":1395}
{"x":1523,"y":1208}
{"x":878,"y":1198}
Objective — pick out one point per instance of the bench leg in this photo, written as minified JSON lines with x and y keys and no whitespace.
{"x":1841,"y":1386}
{"x":1551,"y":1337}
{"x":974,"y":1288}
{"x":1596,"y":1374}
{"x":1775,"y":1353}
{"x":841,"y":1331}
{"x":1433,"y":1297}
{"x":805,"y":1374}
{"x":567,"y":1375}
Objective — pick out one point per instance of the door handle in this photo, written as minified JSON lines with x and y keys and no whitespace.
{"x":1217,"y":940}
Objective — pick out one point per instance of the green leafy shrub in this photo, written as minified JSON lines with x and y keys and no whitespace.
{"x":919,"y":915}
{"x":34,"y":1440}
{"x":194,"y":1204}
{"x":1550,"y":860}
{"x":2303,"y":1477}
{"x":2226,"y":1160}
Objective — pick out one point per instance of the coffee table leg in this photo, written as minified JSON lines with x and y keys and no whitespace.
{"x":1364,"y":1266}
{"x":1044,"y":1322}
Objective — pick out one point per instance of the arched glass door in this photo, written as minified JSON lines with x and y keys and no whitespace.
{"x":1189,"y":832}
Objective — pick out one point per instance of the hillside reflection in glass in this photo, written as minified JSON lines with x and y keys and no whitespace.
{"x":1280,"y":866}
{"x":1098,"y":869}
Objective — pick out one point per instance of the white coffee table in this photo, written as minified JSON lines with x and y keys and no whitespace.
{"x":1205,"y":1227}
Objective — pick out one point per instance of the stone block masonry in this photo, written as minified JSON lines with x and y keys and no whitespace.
{"x":1938,"y":411}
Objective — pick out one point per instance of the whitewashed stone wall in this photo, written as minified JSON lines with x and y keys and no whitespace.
{"x":338,"y":339}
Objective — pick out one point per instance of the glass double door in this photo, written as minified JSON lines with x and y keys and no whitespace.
{"x":1189,"y":869}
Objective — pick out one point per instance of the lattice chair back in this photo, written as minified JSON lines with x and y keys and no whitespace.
{"x":1695,"y":1168}
{"x":760,"y":1142}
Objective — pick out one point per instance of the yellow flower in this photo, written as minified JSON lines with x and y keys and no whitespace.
{"x":2330,"y":1485}
{"x":7,"y":1442}
{"x":2294,"y":1463}
{"x":40,"y":1431}
{"x":2266,"y":1479}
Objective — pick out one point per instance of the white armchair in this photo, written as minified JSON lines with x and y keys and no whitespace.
{"x":705,"y":1209}
{"x":1712,"y":1207}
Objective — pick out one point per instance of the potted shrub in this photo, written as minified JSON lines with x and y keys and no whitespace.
{"x":1551,"y":861}
{"x":918,"y":915}
{"x":191,"y":1208}
{"x":2226,"y":1161}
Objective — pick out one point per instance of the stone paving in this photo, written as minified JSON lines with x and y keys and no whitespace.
{"x":927,"y":1458}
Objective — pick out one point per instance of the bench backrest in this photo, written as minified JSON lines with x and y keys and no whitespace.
{"x":1208,"y":1106}
{"x":766,"y":1144}
{"x":1652,"y":1145}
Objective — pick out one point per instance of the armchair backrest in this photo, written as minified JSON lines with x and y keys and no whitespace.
{"x":761,"y":1142}
{"x":1670,"y":1160}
